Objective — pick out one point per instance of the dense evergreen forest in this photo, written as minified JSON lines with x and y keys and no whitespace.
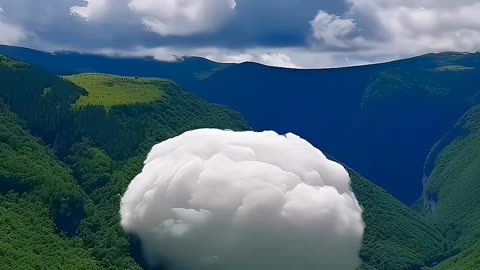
{"x":63,"y":169}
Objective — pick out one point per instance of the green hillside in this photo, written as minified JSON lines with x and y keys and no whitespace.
{"x":40,"y":204}
{"x":108,"y":91}
{"x":76,"y":203}
{"x":396,"y":237}
{"x":102,"y":151}
{"x":451,"y":197}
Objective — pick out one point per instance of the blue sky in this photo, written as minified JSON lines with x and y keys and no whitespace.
{"x":293,"y":33}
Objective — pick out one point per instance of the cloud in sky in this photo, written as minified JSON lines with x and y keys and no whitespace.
{"x":272,"y":32}
{"x":409,"y":27}
{"x":243,"y":200}
{"x":331,"y":30}
{"x":179,"y":18}
{"x":10,"y":33}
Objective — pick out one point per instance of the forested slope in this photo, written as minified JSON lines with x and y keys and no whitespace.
{"x":101,"y":151}
{"x":378,"y":119}
{"x":77,"y":216}
{"x":452,"y":190}
{"x":396,"y":237}
{"x":40,"y":204}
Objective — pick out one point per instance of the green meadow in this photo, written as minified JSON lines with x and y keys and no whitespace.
{"x":109,"y":91}
{"x":453,"y":68}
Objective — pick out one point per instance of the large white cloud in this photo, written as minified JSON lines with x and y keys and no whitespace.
{"x":213,"y":199}
{"x":182,"y":17}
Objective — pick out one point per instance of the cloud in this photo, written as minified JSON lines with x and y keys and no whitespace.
{"x":400,"y":28}
{"x":321,"y":34}
{"x":213,"y":199}
{"x":259,"y":55}
{"x":331,"y":30}
{"x":9,"y":33}
{"x":94,"y":9}
{"x":181,"y":18}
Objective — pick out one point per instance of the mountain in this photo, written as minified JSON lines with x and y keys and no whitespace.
{"x":452,"y":185}
{"x":185,"y":71}
{"x":381,"y":120}
{"x":68,"y":152}
{"x":396,"y":236}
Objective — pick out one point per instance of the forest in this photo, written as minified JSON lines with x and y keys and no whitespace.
{"x":63,"y":169}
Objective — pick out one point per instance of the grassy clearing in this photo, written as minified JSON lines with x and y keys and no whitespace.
{"x":453,"y":68}
{"x":109,"y":91}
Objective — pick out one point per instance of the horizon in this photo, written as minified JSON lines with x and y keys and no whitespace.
{"x":320,"y":35}
{"x":180,"y":58}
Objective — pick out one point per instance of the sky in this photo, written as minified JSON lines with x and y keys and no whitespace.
{"x":288,"y":33}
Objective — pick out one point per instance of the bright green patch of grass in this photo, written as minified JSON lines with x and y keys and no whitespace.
{"x":109,"y":91}
{"x":453,"y":68}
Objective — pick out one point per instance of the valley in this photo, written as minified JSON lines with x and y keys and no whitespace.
{"x":84,"y":137}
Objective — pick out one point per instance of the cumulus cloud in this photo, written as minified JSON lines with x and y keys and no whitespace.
{"x":399,"y":28}
{"x":180,"y":18}
{"x":331,"y":29}
{"x":213,"y":199}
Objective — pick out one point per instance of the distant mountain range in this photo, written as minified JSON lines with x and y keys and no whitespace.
{"x":381,"y":120}
{"x":409,"y":126}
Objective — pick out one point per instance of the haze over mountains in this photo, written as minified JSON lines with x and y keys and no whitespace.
{"x":410,"y":127}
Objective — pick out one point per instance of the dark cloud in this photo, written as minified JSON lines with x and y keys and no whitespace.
{"x":254,"y":23}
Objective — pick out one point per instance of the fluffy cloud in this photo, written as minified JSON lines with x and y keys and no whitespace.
{"x":212,"y":199}
{"x":179,"y":18}
{"x":400,"y":28}
{"x":332,"y":30}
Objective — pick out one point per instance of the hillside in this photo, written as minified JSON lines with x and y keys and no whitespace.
{"x":452,"y":188}
{"x":396,"y":237}
{"x":40,"y":204}
{"x":185,"y":71}
{"x":97,"y":153}
{"x":378,"y":119}
{"x":46,"y":101}
{"x":78,"y":211}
